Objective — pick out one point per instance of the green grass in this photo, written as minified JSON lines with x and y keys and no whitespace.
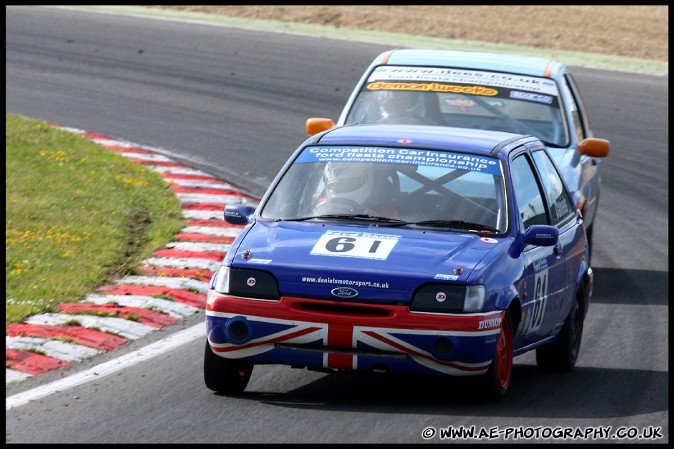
{"x":77,"y":216}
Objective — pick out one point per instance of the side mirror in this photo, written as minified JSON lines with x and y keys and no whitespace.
{"x":541,"y":235}
{"x":317,"y":125}
{"x":594,"y":147}
{"x":238,"y":214}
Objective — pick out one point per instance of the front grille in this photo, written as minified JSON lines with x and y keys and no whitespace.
{"x":342,"y":309}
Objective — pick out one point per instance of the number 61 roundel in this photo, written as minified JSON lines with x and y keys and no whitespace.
{"x":362,"y":245}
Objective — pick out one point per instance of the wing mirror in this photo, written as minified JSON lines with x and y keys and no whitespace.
{"x":317,"y":125}
{"x":541,"y":235}
{"x":594,"y":147}
{"x":239,"y":214}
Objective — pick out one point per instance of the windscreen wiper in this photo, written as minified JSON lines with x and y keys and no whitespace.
{"x":365,"y":217}
{"x":460,"y":224}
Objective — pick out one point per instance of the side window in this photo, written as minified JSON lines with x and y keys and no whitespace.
{"x":561,"y":207}
{"x":528,"y":196}
{"x":575,"y":108}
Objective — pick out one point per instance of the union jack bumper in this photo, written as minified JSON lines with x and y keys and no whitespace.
{"x":320,"y":334}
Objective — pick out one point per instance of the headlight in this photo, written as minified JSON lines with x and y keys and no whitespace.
{"x":474,"y":300}
{"x":439,"y":298}
{"x":448,"y":298}
{"x":246,"y":283}
{"x":220,"y":282}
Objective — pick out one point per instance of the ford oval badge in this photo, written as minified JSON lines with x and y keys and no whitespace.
{"x":344,"y":292}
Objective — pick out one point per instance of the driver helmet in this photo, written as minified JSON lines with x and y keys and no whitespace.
{"x":349,"y":180}
{"x":399,"y":103}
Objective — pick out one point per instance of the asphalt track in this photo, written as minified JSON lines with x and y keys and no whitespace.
{"x":233,"y":103}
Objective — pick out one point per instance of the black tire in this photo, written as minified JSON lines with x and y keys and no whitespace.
{"x":562,"y":354}
{"x":496,"y":381}
{"x":225,"y":376}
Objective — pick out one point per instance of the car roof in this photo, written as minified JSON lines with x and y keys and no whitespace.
{"x":476,"y":141}
{"x":525,"y":65}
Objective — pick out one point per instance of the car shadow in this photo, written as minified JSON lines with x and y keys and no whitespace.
{"x":586,"y":391}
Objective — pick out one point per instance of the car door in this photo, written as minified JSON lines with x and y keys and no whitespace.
{"x":562,"y":215}
{"x":542,"y":285}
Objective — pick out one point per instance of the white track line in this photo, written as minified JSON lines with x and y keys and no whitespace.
{"x":107,"y":368}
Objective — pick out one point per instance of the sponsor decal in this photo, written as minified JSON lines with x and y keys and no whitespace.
{"x":440,"y":296}
{"x":251,"y":282}
{"x":544,"y":86}
{"x":260,"y":261}
{"x":561,"y":207}
{"x":329,"y":280}
{"x":462,"y":103}
{"x":488,"y":240}
{"x":531,"y":97}
{"x":404,"y":140}
{"x":540,"y":264}
{"x":489,"y":324}
{"x":466,"y":103}
{"x":446,"y":277}
{"x":405,"y":156}
{"x":344,"y":292}
{"x":433,"y":87}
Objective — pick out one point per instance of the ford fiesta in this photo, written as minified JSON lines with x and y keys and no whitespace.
{"x":412,"y":249}
{"x":499,"y":92}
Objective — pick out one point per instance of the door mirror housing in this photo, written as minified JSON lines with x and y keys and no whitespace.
{"x":239,"y":214}
{"x":541,"y":235}
{"x":317,"y":125}
{"x":594,"y":147}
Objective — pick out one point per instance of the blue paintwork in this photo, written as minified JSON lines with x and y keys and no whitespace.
{"x":507,"y":264}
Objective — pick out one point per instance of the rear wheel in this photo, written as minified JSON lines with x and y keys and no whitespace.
{"x":496,"y":381}
{"x":225,"y":375}
{"x":561,"y":355}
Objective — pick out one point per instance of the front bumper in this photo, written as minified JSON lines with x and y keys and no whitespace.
{"x":338,"y":335}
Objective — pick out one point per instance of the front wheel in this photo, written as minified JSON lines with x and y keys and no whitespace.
{"x":496,"y":380}
{"x":223,"y":375}
{"x":561,"y":355}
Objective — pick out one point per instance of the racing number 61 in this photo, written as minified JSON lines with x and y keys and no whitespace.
{"x":362,"y":246}
{"x":346,"y":244}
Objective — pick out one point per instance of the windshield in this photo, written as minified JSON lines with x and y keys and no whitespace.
{"x":463,"y":99}
{"x":392,"y":187}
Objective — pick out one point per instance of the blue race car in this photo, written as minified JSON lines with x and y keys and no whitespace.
{"x":492,"y":91}
{"x":415,"y":249}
